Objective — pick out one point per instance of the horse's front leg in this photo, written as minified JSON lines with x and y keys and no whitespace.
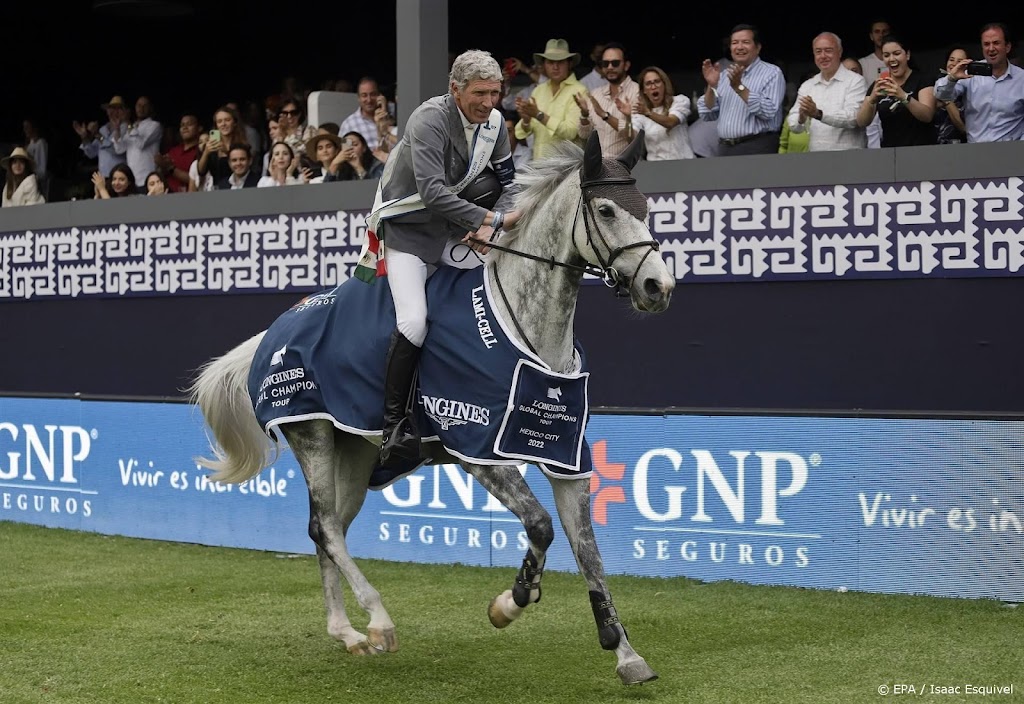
{"x":507,"y":485}
{"x":337,"y":468}
{"x":572,"y":498}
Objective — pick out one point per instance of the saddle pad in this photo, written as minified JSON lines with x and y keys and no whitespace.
{"x":481,"y":395}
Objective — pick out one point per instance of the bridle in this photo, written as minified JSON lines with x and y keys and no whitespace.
{"x":606,"y":271}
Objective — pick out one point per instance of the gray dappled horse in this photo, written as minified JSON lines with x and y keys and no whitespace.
{"x":581,"y":213}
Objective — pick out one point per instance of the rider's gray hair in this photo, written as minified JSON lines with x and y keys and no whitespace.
{"x":474,"y":65}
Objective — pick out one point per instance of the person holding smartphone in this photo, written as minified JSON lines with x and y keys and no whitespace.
{"x":903,"y":99}
{"x":993,"y":105}
{"x":354,"y":161}
{"x":228,"y":131}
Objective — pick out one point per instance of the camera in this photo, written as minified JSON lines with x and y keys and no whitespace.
{"x":979,"y":68}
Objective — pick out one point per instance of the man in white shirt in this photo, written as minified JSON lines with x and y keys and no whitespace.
{"x":827,"y":103}
{"x":141,"y":142}
{"x":872,"y":64}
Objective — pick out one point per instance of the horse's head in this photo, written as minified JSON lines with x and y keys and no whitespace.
{"x":615,"y":219}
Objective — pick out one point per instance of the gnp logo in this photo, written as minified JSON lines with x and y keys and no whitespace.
{"x":51,"y":451}
{"x":704,"y":469}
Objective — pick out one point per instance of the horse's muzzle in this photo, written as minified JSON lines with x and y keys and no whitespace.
{"x":653,"y":294}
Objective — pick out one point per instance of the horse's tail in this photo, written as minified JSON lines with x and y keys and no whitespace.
{"x":220,"y":390}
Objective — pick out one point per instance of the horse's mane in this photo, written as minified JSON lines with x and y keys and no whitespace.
{"x":537,"y":181}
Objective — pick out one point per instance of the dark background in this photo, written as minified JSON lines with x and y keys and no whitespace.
{"x":63,"y":60}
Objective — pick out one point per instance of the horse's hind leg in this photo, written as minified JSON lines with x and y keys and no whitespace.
{"x":507,"y":485}
{"x":572,"y":498}
{"x":337,"y":469}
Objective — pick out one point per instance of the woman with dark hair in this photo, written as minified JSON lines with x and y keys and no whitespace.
{"x":156,"y":184}
{"x":949,"y":121}
{"x":21,"y":187}
{"x":280,"y":168}
{"x":355,"y":161}
{"x":122,"y":183}
{"x":904,"y":100}
{"x":662,"y":116}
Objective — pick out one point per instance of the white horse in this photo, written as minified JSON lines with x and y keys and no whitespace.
{"x":581,"y":213}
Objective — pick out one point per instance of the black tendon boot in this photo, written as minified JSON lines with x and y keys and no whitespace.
{"x":400,"y":443}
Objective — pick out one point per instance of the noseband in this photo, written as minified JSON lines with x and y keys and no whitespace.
{"x":608,"y":273}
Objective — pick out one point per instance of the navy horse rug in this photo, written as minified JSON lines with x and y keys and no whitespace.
{"x":483,"y":396}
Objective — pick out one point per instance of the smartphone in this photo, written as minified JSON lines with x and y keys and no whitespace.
{"x":510,"y":67}
{"x":215,"y":134}
{"x":979,"y":68}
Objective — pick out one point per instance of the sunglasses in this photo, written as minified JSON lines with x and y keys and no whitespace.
{"x":614,"y":63}
{"x":289,"y":112}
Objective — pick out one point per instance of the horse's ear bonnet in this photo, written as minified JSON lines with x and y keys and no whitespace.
{"x":484,"y":190}
{"x":625,"y":195}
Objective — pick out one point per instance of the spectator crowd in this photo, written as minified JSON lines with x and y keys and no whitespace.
{"x":883,"y":99}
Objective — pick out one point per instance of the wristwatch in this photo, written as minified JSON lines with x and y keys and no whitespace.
{"x":540,"y":117}
{"x":741,"y":87}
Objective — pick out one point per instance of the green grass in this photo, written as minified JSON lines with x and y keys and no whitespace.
{"x":97,"y":619}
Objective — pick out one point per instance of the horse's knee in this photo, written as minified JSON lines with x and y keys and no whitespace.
{"x":609,"y":629}
{"x":541,"y":531}
{"x":316,"y":531}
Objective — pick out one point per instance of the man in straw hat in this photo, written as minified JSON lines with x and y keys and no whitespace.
{"x":445,"y":186}
{"x":21,"y":187}
{"x":551,"y":113}
{"x":100,"y":144}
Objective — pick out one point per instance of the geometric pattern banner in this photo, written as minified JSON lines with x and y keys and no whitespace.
{"x":924,"y":229}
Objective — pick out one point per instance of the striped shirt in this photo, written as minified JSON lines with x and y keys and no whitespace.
{"x":761,"y":112}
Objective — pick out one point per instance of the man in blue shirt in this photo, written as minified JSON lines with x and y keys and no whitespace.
{"x":993,"y":105}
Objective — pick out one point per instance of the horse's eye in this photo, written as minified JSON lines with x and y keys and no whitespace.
{"x":606,"y":211}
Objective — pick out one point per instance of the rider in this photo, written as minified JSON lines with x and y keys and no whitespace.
{"x":445,"y":186}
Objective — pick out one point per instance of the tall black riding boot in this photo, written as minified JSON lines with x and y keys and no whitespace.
{"x":400,"y":443}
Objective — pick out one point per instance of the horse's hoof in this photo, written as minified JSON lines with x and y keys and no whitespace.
{"x":496,"y":614}
{"x":363,"y":647}
{"x":636,"y":672}
{"x":383,"y":639}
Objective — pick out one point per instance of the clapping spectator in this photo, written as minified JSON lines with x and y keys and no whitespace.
{"x":282,"y":164}
{"x":140,"y":142}
{"x":827,"y":103}
{"x":100,"y":144}
{"x":551,"y":114}
{"x":122,"y":183}
{"x":21,"y":187}
{"x":609,"y":111}
{"x":176,"y":162}
{"x":993,"y":106}
{"x":747,"y":104}
{"x":663,"y":117}
{"x":355,"y":161}
{"x":949,"y":120}
{"x":903,"y":99}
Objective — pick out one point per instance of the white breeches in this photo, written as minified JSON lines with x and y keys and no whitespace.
{"x":407,"y":277}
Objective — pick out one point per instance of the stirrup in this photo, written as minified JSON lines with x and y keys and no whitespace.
{"x":401,"y":446}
